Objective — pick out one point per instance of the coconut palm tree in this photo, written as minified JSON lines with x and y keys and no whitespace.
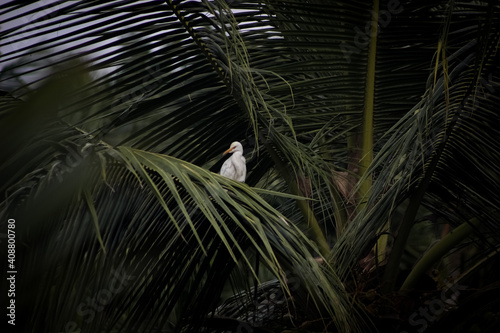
{"x":370,"y":133}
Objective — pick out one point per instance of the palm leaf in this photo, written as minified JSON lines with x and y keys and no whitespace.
{"x":129,"y":229}
{"x":427,"y":155}
{"x":171,"y":82}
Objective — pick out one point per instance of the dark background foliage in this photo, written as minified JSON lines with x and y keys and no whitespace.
{"x":371,"y":137}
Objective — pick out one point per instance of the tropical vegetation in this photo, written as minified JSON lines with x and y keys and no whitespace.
{"x":371,"y":132}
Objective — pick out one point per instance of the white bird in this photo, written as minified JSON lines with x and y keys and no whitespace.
{"x":234,"y":167}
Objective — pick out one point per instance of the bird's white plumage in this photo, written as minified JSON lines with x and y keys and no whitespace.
{"x":235,"y":166}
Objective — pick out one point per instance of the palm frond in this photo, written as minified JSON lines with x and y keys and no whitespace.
{"x":426,"y":158}
{"x":168,"y":85}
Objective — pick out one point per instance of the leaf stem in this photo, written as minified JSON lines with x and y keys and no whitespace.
{"x":316,"y":232}
{"x":437,"y":251}
{"x":367,"y":125}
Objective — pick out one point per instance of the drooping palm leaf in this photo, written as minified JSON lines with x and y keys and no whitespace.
{"x":117,"y":231}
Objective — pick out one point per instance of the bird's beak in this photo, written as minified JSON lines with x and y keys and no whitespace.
{"x":228,"y":151}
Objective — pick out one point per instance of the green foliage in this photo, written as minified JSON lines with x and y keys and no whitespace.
{"x":358,"y":119}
